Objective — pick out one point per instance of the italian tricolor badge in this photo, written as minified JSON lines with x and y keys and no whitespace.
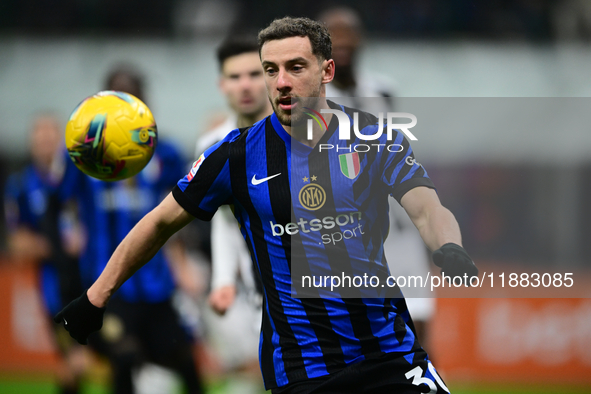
{"x":350,"y":164}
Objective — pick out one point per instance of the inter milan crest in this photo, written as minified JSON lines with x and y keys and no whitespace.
{"x":312,"y":196}
{"x":350,"y":164}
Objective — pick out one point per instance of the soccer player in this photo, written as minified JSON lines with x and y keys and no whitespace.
{"x":39,"y":234}
{"x":404,"y":248}
{"x":320,"y":345}
{"x":142,"y":325}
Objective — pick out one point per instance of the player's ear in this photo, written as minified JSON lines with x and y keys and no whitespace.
{"x":328,"y":69}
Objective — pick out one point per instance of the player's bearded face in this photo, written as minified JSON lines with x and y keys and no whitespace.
{"x":293,"y":76}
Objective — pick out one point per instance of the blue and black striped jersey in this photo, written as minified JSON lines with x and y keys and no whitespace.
{"x":289,"y":200}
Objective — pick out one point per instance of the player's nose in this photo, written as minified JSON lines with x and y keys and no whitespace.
{"x":245,"y":83}
{"x":283,"y":81}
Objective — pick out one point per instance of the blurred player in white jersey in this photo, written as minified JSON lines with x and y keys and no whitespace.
{"x":235,"y":292}
{"x":405,"y":250}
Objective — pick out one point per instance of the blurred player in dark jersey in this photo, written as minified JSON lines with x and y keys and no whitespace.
{"x":405,"y":251}
{"x":142,"y":326}
{"x":38,"y":233}
{"x":277,"y":179}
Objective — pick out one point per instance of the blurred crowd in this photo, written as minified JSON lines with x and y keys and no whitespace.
{"x":504,"y":19}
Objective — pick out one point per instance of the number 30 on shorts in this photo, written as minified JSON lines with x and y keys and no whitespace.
{"x":416,"y":374}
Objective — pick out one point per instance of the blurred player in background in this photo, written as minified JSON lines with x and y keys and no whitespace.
{"x":142,"y":325}
{"x":405,"y":250}
{"x":235,"y":290}
{"x":346,"y":32}
{"x":39,"y":233}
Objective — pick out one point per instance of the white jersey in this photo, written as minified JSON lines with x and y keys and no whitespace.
{"x":404,"y":248}
{"x":214,"y":135}
{"x":367,"y":86}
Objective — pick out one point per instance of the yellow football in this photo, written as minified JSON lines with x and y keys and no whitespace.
{"x":111,"y":135}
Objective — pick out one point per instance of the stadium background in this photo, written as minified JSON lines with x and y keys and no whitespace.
{"x":525,"y":212}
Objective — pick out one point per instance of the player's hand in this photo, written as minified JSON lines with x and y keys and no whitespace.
{"x":81,"y":318}
{"x":221,"y":299}
{"x":454,"y":261}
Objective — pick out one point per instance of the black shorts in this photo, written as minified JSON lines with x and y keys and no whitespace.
{"x":390,"y":373}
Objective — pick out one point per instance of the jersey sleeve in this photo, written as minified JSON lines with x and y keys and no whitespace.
{"x":401,"y":172}
{"x":207,"y":185}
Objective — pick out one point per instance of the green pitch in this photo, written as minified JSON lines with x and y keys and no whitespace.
{"x":507,"y":388}
{"x":22,"y":386}
{"x":38,"y":387}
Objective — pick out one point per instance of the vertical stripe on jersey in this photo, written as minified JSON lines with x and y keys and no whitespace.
{"x":318,"y":321}
{"x":319,"y":164}
{"x":403,"y":325}
{"x":397,"y":167}
{"x":266,"y":346}
{"x":239,"y":184}
{"x":286,"y":340}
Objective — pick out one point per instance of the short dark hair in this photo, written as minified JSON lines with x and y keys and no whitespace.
{"x":134,"y":74}
{"x":235,"y":45}
{"x":287,"y":27}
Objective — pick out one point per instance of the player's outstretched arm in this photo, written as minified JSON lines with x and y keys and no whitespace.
{"x":440,"y":231}
{"x":84,"y":315}
{"x":436,"y":223}
{"x":138,"y":247}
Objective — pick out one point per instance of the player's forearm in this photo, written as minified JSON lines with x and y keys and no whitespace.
{"x":438,"y":226}
{"x":136,"y":249}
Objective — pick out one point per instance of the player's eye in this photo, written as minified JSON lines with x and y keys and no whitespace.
{"x":297,"y":68}
{"x":270,"y":71}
